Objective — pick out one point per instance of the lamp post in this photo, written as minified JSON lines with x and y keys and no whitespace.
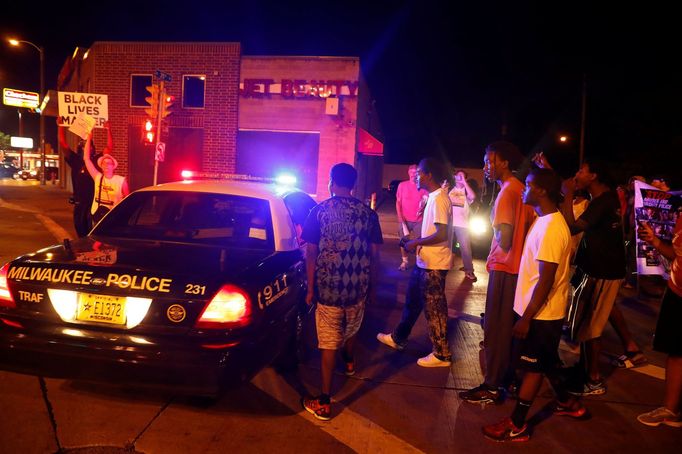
{"x":41,"y":51}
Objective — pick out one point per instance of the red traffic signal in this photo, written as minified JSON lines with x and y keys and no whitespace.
{"x":148,"y":132}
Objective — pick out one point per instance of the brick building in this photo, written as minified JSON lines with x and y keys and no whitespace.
{"x":231,"y":113}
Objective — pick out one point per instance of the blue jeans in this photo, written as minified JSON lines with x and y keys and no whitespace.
{"x":462,"y":234}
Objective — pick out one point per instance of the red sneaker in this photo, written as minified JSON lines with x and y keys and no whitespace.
{"x":505,"y":430}
{"x":575,"y":410}
{"x":319,"y":410}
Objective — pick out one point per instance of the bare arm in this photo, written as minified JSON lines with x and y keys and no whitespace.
{"x":470,"y":194}
{"x":503,"y":236}
{"x":538,"y":299}
{"x":575,"y":225}
{"x":92,"y":170}
{"x":124,"y":188}
{"x":62,"y":136}
{"x":110,"y":139}
{"x":311,"y":253}
{"x":646,"y":233}
{"x":440,"y":235}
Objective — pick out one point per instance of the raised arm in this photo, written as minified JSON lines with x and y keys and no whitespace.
{"x":62,"y":136}
{"x":92,"y":170}
{"x":110,"y":139}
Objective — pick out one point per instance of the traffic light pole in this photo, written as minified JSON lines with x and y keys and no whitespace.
{"x":158,"y":131}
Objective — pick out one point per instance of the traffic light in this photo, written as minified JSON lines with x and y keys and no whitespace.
{"x":166,"y":104}
{"x":153,"y":100}
{"x":148,"y":132}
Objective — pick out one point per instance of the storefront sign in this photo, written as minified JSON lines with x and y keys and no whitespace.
{"x":298,"y":88}
{"x":89,"y":104}
{"x":19,"y":98}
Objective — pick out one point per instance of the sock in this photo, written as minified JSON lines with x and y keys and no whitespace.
{"x":324,"y":399}
{"x":518,"y":417}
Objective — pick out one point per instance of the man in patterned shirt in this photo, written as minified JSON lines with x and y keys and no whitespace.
{"x":343,"y":237}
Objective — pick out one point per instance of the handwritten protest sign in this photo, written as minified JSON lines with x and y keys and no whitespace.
{"x":82,"y":125}
{"x":89,"y":104}
{"x":659,"y":209}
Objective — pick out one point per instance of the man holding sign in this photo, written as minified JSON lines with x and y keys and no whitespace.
{"x":82,"y":183}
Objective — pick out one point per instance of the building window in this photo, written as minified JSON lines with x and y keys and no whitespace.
{"x":138,"y":89}
{"x":193,"y":91}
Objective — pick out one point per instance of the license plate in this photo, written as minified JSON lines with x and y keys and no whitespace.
{"x":101,"y":308}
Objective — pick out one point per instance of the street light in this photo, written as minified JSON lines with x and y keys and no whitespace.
{"x":41,"y":51}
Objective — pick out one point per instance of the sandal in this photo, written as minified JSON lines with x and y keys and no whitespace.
{"x":630,"y":360}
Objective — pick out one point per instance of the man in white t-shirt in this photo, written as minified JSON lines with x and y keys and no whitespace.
{"x":541,"y":302}
{"x":426,"y":289}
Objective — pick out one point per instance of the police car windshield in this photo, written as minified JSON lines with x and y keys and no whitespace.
{"x":191,"y":217}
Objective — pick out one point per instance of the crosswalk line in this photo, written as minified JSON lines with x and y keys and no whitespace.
{"x":350,"y":428}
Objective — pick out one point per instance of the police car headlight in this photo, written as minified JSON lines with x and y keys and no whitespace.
{"x":478,"y":225}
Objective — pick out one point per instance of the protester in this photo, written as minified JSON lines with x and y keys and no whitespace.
{"x":668,"y":337}
{"x":510,"y":219}
{"x":461,"y":197}
{"x":81,"y":181}
{"x":600,"y":265}
{"x":426,"y":289}
{"x":109,"y":188}
{"x":541,"y":301}
{"x":408,"y":207}
{"x":342,"y":236}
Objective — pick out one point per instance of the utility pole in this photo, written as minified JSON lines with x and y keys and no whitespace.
{"x":582,"y":120}
{"x":159,"y":117}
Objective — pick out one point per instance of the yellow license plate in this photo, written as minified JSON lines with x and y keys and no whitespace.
{"x":101,"y":308}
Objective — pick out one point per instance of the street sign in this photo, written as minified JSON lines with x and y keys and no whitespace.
{"x":19,"y":98}
{"x":160,"y":154}
{"x":162,"y":75}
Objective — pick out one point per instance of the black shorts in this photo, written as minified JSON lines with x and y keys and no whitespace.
{"x":539,"y":351}
{"x":668,"y":337}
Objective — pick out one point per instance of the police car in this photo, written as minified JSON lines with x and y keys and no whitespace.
{"x":194,"y":284}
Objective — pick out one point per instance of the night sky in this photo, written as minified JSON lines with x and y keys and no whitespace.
{"x":445,"y":76}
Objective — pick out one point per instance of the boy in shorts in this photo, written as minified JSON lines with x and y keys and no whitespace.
{"x":541,"y":302}
{"x":343,"y":237}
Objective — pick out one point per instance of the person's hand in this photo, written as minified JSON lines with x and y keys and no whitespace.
{"x":309,"y":297}
{"x":568,"y":186}
{"x":411,"y":246}
{"x":59,"y":120}
{"x":521,"y":328}
{"x":106,"y":124}
{"x":445,"y":184}
{"x":646,"y":233}
{"x":541,"y":161}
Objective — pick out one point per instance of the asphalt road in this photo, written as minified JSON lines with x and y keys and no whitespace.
{"x":391,"y":405}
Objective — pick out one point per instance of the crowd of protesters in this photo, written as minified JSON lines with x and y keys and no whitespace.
{"x":559,"y":255}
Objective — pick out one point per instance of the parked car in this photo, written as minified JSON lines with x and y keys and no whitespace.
{"x":25,"y":174}
{"x":195,"y":284}
{"x":7,"y":170}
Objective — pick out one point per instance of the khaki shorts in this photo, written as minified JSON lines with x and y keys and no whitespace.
{"x":335,"y":325}
{"x":603,"y":295}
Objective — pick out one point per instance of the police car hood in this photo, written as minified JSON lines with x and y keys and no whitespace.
{"x":147,"y":257}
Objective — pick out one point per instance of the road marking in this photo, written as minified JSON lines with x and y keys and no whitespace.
{"x":650,"y":370}
{"x":350,"y":428}
{"x":55,"y":229}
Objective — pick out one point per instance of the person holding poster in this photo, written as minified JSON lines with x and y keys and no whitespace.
{"x":81,"y":181}
{"x":668,"y":337}
{"x":109,"y":189}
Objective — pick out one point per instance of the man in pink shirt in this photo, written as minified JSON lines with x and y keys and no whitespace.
{"x":407,"y":205}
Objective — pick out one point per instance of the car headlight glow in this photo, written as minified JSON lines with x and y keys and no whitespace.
{"x":478,"y":225}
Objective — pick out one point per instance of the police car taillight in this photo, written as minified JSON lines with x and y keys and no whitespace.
{"x":6,"y":299}
{"x":229,"y":308}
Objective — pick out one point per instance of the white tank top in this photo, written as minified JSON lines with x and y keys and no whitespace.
{"x":111,"y":193}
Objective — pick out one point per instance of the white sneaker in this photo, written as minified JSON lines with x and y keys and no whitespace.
{"x":387,"y":339}
{"x":430,"y":360}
